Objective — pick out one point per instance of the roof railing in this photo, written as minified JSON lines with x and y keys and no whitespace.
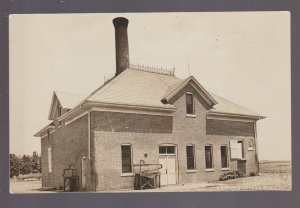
{"x":152,"y":69}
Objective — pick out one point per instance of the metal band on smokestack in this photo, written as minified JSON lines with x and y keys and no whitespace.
{"x":121,"y":38}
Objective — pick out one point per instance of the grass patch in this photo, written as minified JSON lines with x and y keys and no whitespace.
{"x":29,"y":177}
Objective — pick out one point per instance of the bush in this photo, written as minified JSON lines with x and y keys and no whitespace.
{"x":232,"y":175}
{"x":253,"y":173}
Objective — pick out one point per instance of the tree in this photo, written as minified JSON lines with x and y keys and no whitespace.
{"x":35,"y":163}
{"x":25,"y":165}
{"x":14,"y":162}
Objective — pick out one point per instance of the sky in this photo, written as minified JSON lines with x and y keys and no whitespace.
{"x":241,"y":56}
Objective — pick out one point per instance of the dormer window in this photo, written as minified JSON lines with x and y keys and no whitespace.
{"x":190,"y":110}
{"x":59,"y":111}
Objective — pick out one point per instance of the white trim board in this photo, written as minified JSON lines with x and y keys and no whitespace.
{"x":124,"y":110}
{"x":76,"y":117}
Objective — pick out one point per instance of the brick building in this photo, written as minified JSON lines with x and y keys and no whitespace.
{"x":146,"y":114}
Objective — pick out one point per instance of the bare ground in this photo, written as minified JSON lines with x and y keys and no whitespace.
{"x":274,"y":176}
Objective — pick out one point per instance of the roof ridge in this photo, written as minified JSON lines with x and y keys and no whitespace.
{"x":153,"y":69}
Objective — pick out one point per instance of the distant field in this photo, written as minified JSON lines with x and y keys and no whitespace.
{"x":267,"y":166}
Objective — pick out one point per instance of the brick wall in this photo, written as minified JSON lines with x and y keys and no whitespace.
{"x":69,"y":144}
{"x":186,"y":130}
{"x":130,"y":122}
{"x":109,"y":130}
{"x":47,"y":178}
{"x":230,"y":128}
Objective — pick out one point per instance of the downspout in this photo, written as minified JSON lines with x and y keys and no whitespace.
{"x":256,"y":146}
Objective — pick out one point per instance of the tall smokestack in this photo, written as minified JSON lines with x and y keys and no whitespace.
{"x":121,"y":38}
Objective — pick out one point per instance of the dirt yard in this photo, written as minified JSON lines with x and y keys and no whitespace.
{"x":274,"y":176}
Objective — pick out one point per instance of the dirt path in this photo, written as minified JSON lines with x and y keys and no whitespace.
{"x":264,"y":182}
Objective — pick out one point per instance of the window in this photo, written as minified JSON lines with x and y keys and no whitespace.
{"x":126,"y":159}
{"x":49,"y":160}
{"x":189,"y":103}
{"x":241,"y":143}
{"x":190,"y":157}
{"x":208,"y":157}
{"x":224,"y":156}
{"x":166,"y":149}
{"x":237,"y":149}
{"x":250,"y":144}
{"x":59,"y":111}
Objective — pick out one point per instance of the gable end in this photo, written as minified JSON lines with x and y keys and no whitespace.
{"x":198,"y":89}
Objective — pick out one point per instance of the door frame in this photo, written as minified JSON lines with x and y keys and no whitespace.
{"x":176,"y":158}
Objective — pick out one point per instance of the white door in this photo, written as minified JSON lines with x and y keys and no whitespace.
{"x":163,"y":170}
{"x":168,"y":170}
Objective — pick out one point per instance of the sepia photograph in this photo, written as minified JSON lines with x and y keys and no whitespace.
{"x":150,"y":102}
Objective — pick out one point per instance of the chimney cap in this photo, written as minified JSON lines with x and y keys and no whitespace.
{"x":120,"y":21}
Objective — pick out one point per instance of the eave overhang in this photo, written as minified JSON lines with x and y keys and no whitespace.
{"x":44,"y":131}
{"x":89,"y":105}
{"x":233,"y":117}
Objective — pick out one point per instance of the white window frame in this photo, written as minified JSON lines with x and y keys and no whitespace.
{"x":49,"y":160}
{"x":168,"y":145}
{"x":193,"y":98}
{"x":131,"y":155}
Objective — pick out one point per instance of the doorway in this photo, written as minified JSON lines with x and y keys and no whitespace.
{"x":167,"y":158}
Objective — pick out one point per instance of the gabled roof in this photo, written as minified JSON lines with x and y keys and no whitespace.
{"x":225,"y":106}
{"x":136,"y":87}
{"x":69,"y":100}
{"x":66,"y":99}
{"x":174,"y":89}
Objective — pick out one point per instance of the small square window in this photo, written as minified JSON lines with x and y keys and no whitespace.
{"x":170,"y":150}
{"x":163,"y":150}
{"x":250,"y":144}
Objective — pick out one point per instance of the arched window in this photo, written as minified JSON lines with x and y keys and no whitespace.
{"x":126,"y":152}
{"x":224,"y":156}
{"x":190,"y":109}
{"x":190,"y":156}
{"x":209,"y":156}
